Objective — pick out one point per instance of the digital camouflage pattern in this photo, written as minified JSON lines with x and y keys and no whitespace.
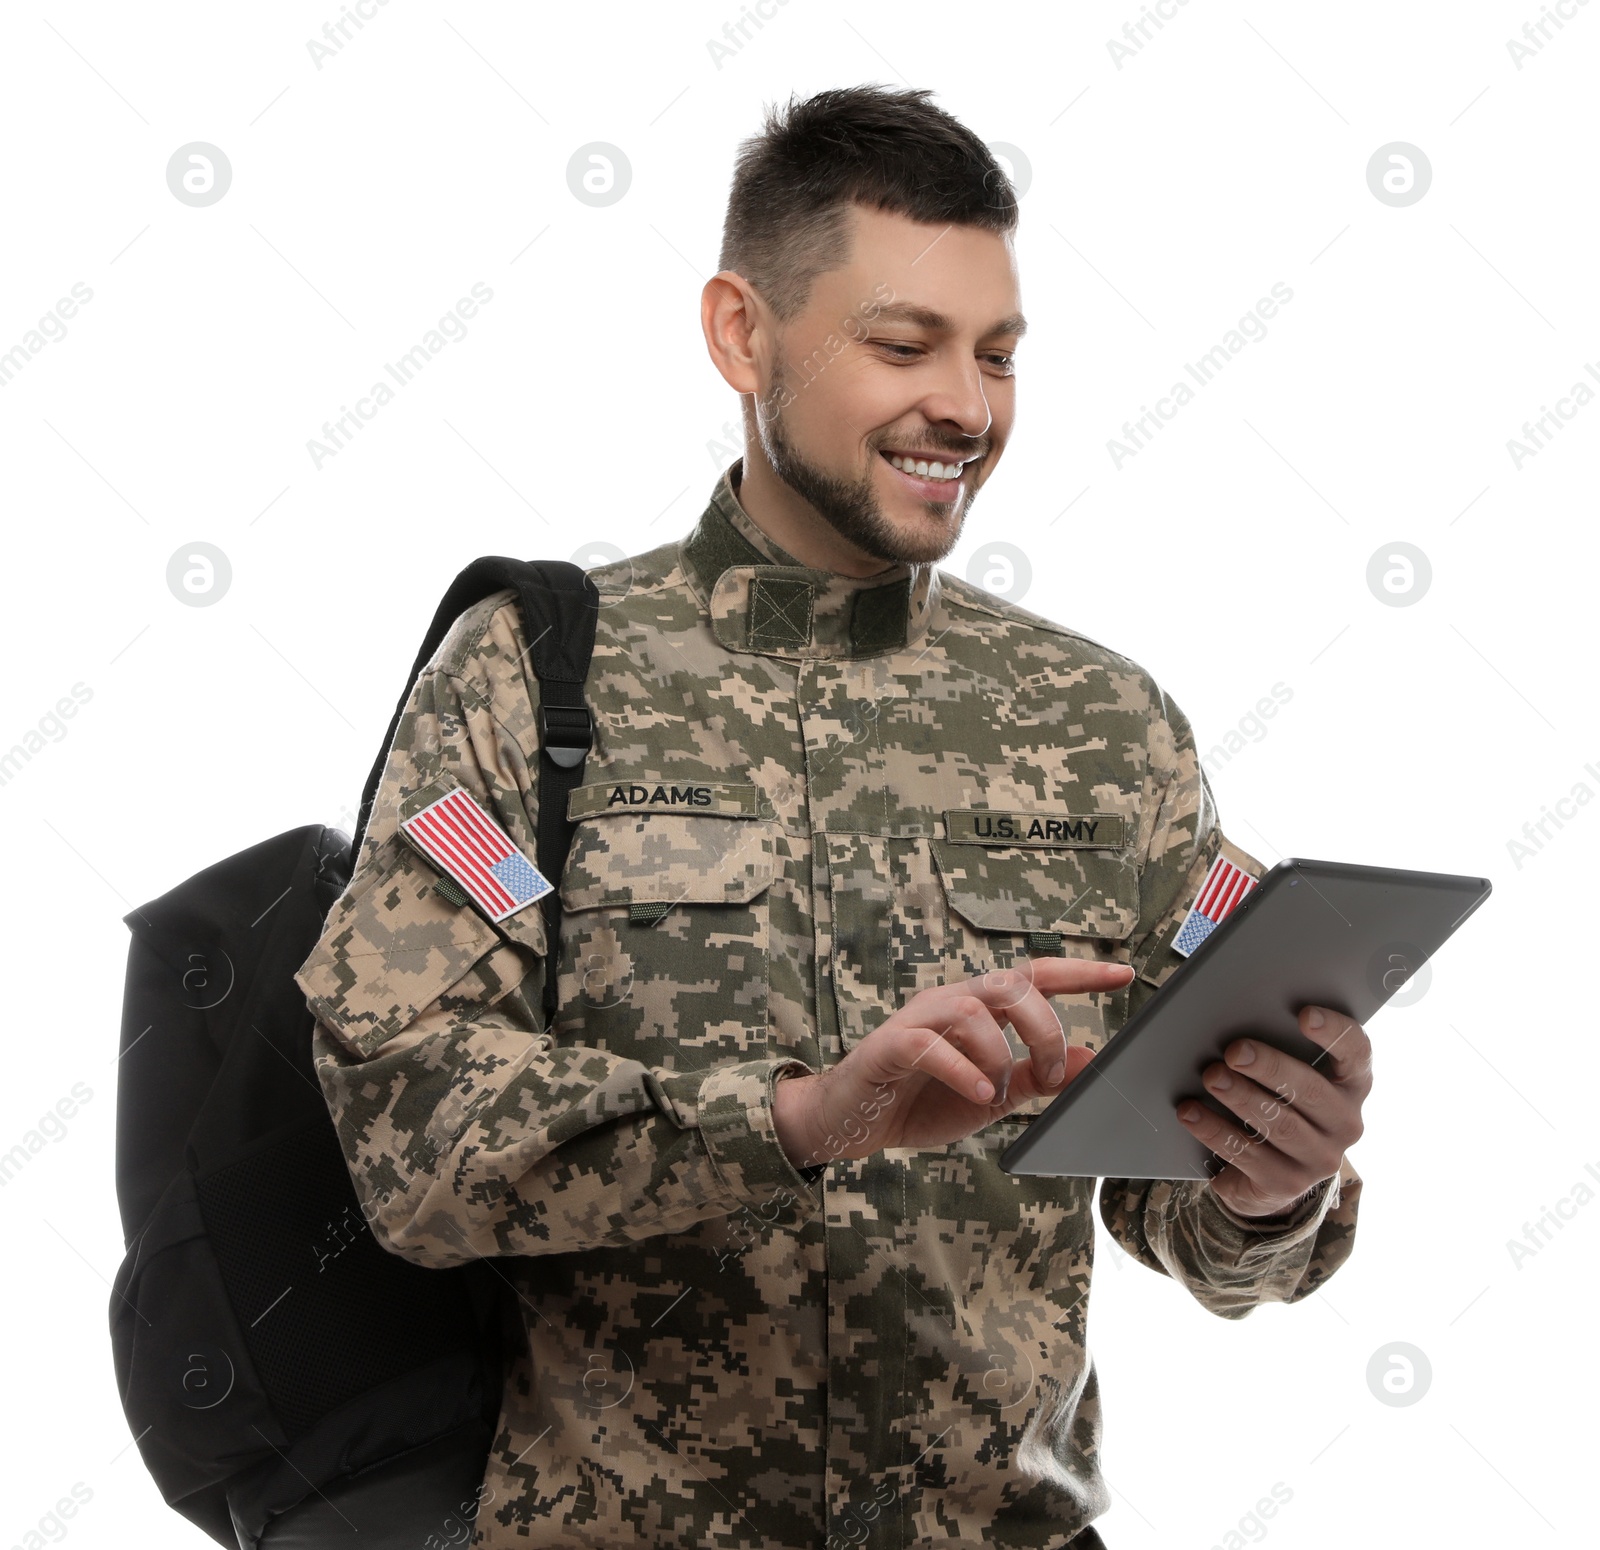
{"x":789,"y":824}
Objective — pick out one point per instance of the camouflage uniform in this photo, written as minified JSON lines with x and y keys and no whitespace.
{"x":770,"y":856}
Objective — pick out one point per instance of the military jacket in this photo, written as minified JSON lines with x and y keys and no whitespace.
{"x":809,"y":797}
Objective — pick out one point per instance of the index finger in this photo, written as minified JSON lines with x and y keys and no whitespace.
{"x":1018,"y":996}
{"x":1028,"y":983}
{"x":1073,"y":976}
{"x":1349,"y":1049}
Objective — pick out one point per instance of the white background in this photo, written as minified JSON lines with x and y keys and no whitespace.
{"x":1166,"y":197}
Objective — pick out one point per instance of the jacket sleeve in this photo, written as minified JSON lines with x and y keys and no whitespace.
{"x":469,"y":1131}
{"x":1228,"y":1263}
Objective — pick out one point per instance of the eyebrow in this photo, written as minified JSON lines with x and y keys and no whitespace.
{"x":937,"y":322}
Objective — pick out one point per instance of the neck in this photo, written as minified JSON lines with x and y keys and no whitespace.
{"x":795,"y":525}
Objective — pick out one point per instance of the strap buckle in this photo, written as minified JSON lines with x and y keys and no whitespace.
{"x":566,"y":733}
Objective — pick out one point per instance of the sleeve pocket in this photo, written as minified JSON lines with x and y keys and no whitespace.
{"x":392,"y":946}
{"x":1154,"y":960}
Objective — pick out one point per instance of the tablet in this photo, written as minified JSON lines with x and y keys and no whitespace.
{"x":1313,"y":932}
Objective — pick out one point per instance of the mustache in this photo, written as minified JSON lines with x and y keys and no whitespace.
{"x":960,"y":449}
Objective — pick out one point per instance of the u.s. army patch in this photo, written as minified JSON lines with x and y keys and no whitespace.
{"x":985,"y":826}
{"x":466,"y":844}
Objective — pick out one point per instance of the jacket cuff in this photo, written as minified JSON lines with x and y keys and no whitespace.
{"x":1244,"y":1239}
{"x":733,"y":1107}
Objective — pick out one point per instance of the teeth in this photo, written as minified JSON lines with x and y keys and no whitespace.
{"x":923,"y":469}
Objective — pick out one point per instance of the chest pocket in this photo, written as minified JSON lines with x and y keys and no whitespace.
{"x":912,"y":913}
{"x":1028,"y":903}
{"x":665,"y":936}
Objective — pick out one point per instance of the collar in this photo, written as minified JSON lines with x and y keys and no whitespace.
{"x":762,"y":599}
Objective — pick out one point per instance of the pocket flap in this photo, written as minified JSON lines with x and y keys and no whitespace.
{"x":1010,"y":888}
{"x":667,"y":858}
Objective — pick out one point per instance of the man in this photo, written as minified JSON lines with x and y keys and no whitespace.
{"x":775,"y":1289}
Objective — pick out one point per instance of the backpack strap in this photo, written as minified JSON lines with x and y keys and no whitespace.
{"x":560,"y":608}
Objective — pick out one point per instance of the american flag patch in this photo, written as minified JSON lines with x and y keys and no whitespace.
{"x":459,"y":838}
{"x":1220,"y":893}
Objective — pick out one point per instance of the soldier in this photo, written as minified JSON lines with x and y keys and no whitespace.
{"x":867,"y":865}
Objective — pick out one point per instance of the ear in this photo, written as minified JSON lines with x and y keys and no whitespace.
{"x":739,"y":331}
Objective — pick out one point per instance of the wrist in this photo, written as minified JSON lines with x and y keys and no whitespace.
{"x":1283,"y":1215}
{"x":793,"y":1118}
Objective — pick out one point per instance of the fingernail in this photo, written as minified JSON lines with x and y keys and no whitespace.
{"x":1188,"y":1112}
{"x":1314,"y":1018}
{"x":1221,"y":1081}
{"x":985,"y":1089}
{"x":1245,"y":1054}
{"x":1054,"y":1075}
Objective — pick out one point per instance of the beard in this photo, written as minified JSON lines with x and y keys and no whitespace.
{"x":852,"y":509}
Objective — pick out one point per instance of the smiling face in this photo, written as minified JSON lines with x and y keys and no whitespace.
{"x":885,"y":404}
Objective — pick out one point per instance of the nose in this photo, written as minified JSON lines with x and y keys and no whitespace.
{"x":955,"y":398}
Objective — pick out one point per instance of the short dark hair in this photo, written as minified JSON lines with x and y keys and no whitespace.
{"x":793,"y":183}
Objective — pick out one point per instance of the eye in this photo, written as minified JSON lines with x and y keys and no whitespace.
{"x":889,"y":344}
{"x":1006,"y":363}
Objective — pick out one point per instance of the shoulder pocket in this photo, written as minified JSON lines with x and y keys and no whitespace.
{"x":1156,"y":962}
{"x":393,"y":946}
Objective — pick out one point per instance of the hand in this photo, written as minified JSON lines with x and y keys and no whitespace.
{"x":941,"y":1067}
{"x":1304,"y":1120}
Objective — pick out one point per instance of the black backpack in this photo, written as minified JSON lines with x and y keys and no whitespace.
{"x":279,"y":1369}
